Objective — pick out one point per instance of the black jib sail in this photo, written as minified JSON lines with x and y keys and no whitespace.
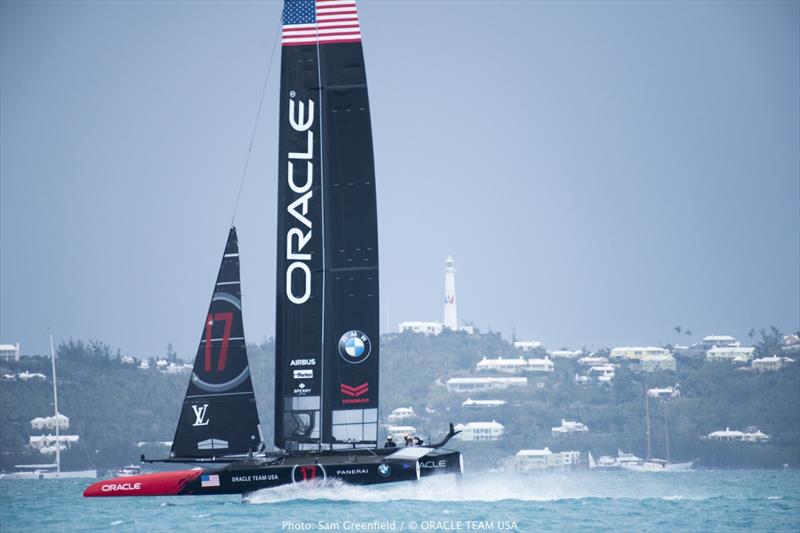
{"x":219,"y":415}
{"x":326,"y":378}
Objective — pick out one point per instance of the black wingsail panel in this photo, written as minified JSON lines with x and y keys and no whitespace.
{"x":219,"y":415}
{"x":327,"y":333}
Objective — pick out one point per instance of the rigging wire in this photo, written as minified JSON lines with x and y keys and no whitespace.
{"x":270,"y":61}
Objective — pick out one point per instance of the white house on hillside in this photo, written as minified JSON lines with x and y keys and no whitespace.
{"x":503,"y":365}
{"x":545,"y":459}
{"x":568,"y":354}
{"x":402,"y":413}
{"x":719,"y":341}
{"x":636,"y":352}
{"x":540,"y":365}
{"x":666,"y":393}
{"x":527,"y":346}
{"x":50,"y":422}
{"x":655,"y":363}
{"x":477,"y":431}
{"x":770,"y":363}
{"x":484,"y":384}
{"x":9,"y":352}
{"x":425,"y":328}
{"x":568,"y":426}
{"x":730,"y":353}
{"x":469,"y":402}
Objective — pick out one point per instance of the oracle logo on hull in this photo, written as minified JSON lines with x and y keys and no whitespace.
{"x":113,"y":487}
{"x":298,"y":287}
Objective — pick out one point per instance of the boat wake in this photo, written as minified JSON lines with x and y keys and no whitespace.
{"x":445,"y":488}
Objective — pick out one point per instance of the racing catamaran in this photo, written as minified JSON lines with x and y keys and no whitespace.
{"x":327,"y":325}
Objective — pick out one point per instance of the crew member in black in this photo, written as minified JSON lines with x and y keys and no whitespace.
{"x":409,"y":440}
{"x":389,"y":442}
{"x":418,"y":441}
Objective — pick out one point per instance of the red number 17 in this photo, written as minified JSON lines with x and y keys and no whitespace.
{"x":226,"y":335}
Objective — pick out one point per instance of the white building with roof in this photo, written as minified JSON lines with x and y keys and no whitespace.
{"x":48,"y":443}
{"x":666,"y":393}
{"x":401,"y":413}
{"x":127,"y":360}
{"x":567,"y":354}
{"x":480,"y":431}
{"x":593,"y":360}
{"x":770,"y":363}
{"x":656,"y":363}
{"x":568,"y":426}
{"x":721,"y":341}
{"x":50,"y":422}
{"x":469,"y":402}
{"x":484,"y":384}
{"x":503,"y":365}
{"x":540,"y":365}
{"x":603,"y":373}
{"x":423,"y":328}
{"x":730,"y":353}
{"x":635,"y":353}
{"x":9,"y":352}
{"x":545,"y":459}
{"x":729,"y":434}
{"x":527,"y":346}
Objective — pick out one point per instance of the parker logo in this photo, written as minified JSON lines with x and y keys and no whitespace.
{"x":354,"y":393}
{"x":113,"y":487}
{"x":303,"y":374}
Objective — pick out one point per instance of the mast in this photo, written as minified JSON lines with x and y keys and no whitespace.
{"x":666,"y":427}
{"x":55,"y":405}
{"x":327,"y":312}
{"x":647,"y":421}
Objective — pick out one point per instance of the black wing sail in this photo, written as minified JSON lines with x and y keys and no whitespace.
{"x":219,"y":415}
{"x":327,"y":333}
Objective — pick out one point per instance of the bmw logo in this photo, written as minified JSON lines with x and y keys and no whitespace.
{"x":354,"y":346}
{"x":384,"y":469}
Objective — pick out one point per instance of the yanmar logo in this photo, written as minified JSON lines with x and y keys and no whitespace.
{"x":114,"y":487}
{"x":354,"y":392}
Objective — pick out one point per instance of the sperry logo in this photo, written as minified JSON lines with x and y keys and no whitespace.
{"x":200,"y":415}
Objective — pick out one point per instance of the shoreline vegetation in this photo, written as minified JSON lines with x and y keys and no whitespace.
{"x":113,"y":405}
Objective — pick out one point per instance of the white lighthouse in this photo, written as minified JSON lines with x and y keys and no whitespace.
{"x":450,"y":315}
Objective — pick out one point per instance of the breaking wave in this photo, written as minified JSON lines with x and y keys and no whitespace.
{"x":490,"y":487}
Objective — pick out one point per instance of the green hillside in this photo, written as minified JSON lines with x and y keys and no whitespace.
{"x":113,"y":406}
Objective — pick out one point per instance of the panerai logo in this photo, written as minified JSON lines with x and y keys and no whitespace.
{"x":298,"y":287}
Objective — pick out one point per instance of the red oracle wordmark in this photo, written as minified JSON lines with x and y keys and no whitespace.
{"x":226,"y":336}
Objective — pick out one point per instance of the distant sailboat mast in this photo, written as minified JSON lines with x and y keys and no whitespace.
{"x":647,"y":421}
{"x":55,"y":405}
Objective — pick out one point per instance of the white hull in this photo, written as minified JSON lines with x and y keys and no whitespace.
{"x":50,"y":475}
{"x":648,"y":466}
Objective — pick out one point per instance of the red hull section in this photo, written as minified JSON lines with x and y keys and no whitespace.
{"x":160,"y":484}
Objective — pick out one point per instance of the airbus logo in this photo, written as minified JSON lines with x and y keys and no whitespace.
{"x":303,"y":362}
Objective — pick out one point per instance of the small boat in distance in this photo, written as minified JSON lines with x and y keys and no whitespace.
{"x":632,"y":463}
{"x":127,"y":471}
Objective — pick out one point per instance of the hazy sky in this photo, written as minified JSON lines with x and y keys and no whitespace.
{"x":600,"y":172}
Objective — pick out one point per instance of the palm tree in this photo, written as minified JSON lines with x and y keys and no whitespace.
{"x":678,"y":331}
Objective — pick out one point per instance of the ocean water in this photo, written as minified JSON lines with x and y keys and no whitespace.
{"x":723,"y":500}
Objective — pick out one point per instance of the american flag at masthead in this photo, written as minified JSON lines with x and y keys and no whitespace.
{"x":320,"y":22}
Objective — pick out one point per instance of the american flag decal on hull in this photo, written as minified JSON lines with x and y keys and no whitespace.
{"x":320,"y":22}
